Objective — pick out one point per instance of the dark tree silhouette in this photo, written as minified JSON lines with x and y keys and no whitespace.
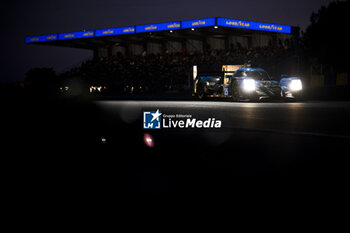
{"x":327,"y":37}
{"x":41,"y":80}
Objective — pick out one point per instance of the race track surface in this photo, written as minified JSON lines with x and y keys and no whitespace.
{"x":293,"y":149}
{"x":329,"y":119}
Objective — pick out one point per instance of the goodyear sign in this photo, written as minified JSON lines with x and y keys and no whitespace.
{"x":106,"y":32}
{"x":198,"y":23}
{"x":115,"y":31}
{"x":76,"y":35}
{"x":223,"y":22}
{"x":33,"y":39}
{"x":158,"y":27}
{"x":125,"y":30}
{"x":253,"y":25}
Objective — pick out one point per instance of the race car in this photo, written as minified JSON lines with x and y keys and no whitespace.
{"x":246,"y":83}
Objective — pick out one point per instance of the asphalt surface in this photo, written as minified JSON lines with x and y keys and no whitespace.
{"x":285,"y":147}
{"x":273,"y":139}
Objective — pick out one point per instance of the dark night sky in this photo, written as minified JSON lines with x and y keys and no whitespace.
{"x":22,"y":18}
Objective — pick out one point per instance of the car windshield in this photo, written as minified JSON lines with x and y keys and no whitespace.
{"x":257,"y":75}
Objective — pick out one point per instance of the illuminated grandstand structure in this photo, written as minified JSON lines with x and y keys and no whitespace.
{"x":177,"y":36}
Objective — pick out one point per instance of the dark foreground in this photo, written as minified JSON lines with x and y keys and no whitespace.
{"x":63,"y":147}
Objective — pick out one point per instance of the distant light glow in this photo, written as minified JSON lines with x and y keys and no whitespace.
{"x":96,"y":88}
{"x":195,"y":72}
{"x":148,"y":140}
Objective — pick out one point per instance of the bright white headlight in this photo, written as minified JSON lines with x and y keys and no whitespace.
{"x":249,"y":85}
{"x":295,"y":85}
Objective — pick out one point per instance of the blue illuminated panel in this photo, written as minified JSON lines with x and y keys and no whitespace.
{"x":34,"y":39}
{"x":158,"y":27}
{"x":273,"y":27}
{"x":106,"y":32}
{"x":223,"y":22}
{"x":253,"y":25}
{"x":115,"y":31}
{"x":76,"y":35}
{"x":125,"y":30}
{"x":198,"y":23}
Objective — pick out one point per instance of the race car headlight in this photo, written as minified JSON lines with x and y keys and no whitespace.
{"x":295,"y":85}
{"x":248,"y":85}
